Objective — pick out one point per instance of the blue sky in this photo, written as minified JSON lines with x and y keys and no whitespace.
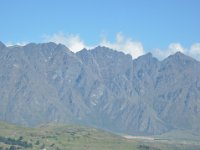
{"x":156,"y":25}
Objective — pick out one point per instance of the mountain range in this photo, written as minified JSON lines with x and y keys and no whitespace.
{"x":43,"y":83}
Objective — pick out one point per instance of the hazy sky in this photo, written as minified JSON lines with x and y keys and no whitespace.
{"x":159,"y":26}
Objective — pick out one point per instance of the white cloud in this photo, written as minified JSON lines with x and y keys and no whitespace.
{"x":18,"y":43}
{"x":124,"y":44}
{"x":172,"y":48}
{"x":72,"y":41}
{"x":75,"y":43}
{"x":176,"y":47}
{"x":193,"y":51}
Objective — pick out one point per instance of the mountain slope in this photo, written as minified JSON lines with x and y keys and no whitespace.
{"x":43,"y":83}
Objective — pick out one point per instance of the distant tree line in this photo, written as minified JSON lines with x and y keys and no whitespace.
{"x":11,"y":148}
{"x":19,"y":142}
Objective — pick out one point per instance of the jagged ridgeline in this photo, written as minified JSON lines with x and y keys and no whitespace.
{"x":42,"y":83}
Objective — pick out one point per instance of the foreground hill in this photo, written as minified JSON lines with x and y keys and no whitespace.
{"x":62,"y":137}
{"x":42,"y":83}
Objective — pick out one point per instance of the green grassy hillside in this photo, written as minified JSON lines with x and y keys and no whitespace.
{"x":62,"y":137}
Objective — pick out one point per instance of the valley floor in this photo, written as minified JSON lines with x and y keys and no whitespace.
{"x":62,"y":137}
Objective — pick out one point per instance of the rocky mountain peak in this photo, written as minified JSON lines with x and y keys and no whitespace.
{"x":179,"y":56}
{"x":179,"y":61}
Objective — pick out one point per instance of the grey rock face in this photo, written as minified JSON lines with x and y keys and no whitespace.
{"x":2,"y":46}
{"x":41,"y":83}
